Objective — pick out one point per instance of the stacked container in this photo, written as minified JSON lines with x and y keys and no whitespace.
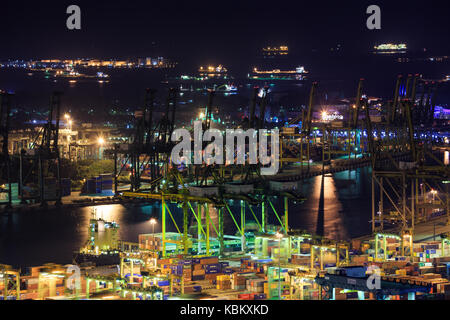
{"x":255,"y":285}
{"x":106,"y":181}
{"x":223,"y":282}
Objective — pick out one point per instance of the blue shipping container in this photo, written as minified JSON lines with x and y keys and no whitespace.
{"x":264,"y":260}
{"x":356,"y":272}
{"x":211,"y":271}
{"x":213,"y":266}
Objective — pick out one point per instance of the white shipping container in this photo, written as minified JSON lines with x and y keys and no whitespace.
{"x":202,"y":192}
{"x":283,"y":186}
{"x":239,"y":188}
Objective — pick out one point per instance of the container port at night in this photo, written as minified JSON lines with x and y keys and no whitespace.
{"x":267,"y":261}
{"x":154,"y":176}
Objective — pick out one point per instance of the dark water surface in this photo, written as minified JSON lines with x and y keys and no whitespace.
{"x":334,"y":207}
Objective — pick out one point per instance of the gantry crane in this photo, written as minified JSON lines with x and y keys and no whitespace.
{"x":141,"y":144}
{"x":44,"y":157}
{"x":305,"y":133}
{"x":5,"y":160}
{"x":150,"y":145}
{"x":395,"y":177}
{"x":252,"y":171}
{"x":205,"y":170}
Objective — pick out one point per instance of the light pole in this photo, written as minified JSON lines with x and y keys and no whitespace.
{"x":280,"y":237}
{"x":68,"y":121}
{"x":69,"y":127}
{"x":434,"y":231}
{"x":100,"y":141}
{"x":153,"y":222}
{"x":434,"y":192}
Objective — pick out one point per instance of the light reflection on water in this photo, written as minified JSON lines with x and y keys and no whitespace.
{"x":335,"y":207}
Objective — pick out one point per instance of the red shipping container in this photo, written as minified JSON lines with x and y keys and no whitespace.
{"x":244,"y":296}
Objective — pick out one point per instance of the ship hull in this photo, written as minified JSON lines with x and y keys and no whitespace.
{"x":98,"y":260}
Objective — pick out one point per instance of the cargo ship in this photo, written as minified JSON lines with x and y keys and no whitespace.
{"x":296,"y":75}
{"x":102,"y":247}
{"x":207,"y":77}
{"x":213,"y":72}
{"x":73,"y":75}
{"x":206,"y":74}
{"x":102,"y":259}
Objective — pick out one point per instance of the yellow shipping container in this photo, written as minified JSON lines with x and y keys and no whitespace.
{"x":401,"y":272}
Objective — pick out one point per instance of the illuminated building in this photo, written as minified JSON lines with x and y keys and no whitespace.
{"x":156,"y":62}
{"x":120,"y":63}
{"x":51,"y":61}
{"x":50,"y":65}
{"x":94,"y":63}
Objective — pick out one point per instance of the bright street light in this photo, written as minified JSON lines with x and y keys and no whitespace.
{"x":279,"y":237}
{"x":100,"y":142}
{"x":153,"y":222}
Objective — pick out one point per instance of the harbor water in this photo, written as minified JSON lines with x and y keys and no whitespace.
{"x":337,"y":207}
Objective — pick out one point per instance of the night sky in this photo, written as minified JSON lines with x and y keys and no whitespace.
{"x":229,"y":31}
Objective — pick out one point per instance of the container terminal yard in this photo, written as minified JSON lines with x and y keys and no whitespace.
{"x":258,"y":155}
{"x":396,"y":139}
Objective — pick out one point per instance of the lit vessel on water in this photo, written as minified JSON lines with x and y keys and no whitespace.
{"x":390,"y":48}
{"x":70,"y":74}
{"x":207,"y":74}
{"x":299,"y":74}
{"x":212,"y":72}
{"x":207,"y":77}
{"x":102,"y":247}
